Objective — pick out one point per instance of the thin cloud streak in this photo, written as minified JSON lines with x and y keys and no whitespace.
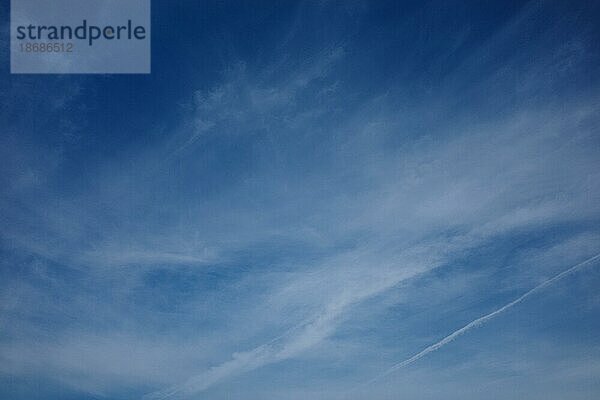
{"x":481,"y":320}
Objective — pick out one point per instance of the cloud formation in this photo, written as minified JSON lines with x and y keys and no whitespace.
{"x":303,"y":210}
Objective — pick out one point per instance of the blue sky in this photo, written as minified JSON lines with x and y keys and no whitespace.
{"x":301,"y":196}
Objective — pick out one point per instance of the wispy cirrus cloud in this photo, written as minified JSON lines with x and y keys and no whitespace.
{"x":296,"y":207}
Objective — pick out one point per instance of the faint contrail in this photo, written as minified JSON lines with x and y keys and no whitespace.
{"x":481,"y":320}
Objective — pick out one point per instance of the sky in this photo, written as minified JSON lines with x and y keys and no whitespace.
{"x":300,"y":198}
